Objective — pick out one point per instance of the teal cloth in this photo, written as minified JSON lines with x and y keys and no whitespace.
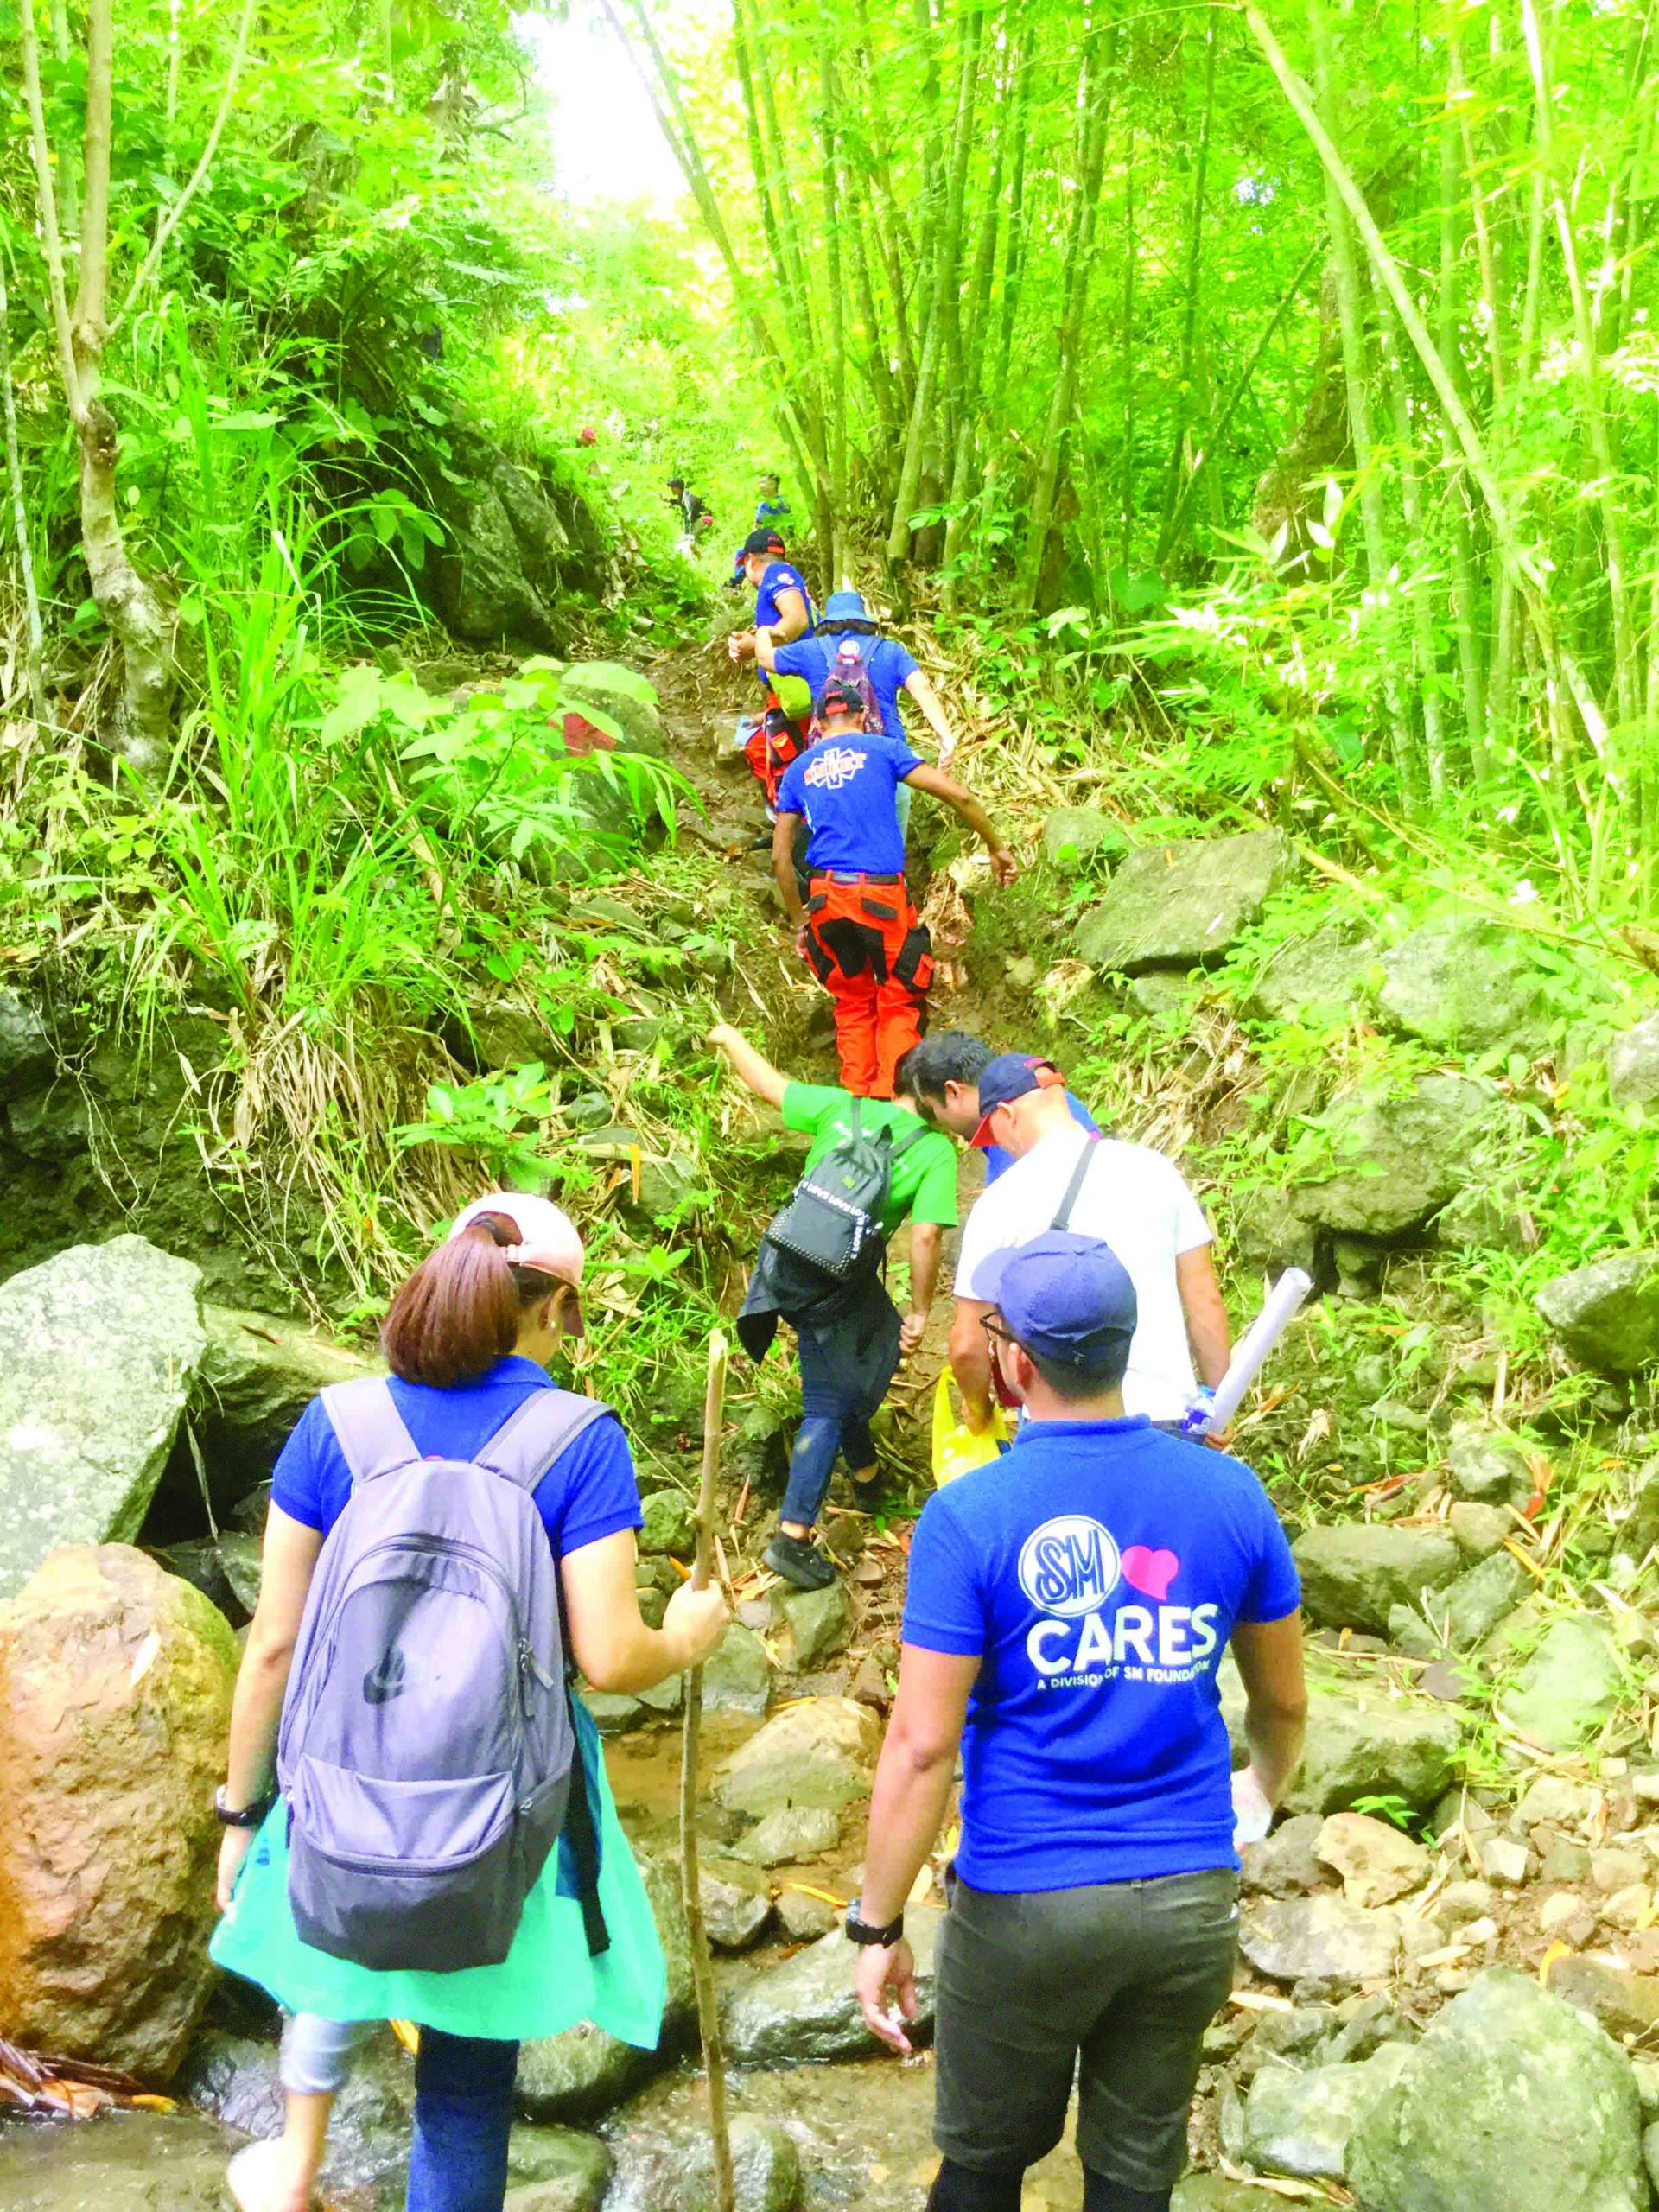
{"x":547,"y":1982}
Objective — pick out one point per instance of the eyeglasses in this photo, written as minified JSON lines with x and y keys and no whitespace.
{"x":989,"y":1323}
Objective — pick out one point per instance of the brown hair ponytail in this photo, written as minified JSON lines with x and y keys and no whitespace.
{"x":458,"y":1313}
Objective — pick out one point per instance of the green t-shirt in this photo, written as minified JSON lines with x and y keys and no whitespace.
{"x":924,"y":1186}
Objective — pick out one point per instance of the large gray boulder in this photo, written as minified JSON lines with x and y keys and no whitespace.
{"x":556,"y":2170}
{"x":1319,"y":980}
{"x":259,"y":1373}
{"x":1464,"y":985}
{"x":1363,"y":1740}
{"x":102,"y":1345}
{"x":1567,"y":1689}
{"x":805,"y":2009}
{"x":25,"y":1047}
{"x":236,"y":2078}
{"x":1180,"y":906}
{"x":1073,"y":835}
{"x":1298,"y":2119}
{"x":517,"y":543}
{"x":1323,"y":1943}
{"x":820,"y":1752}
{"x":1607,"y":1314}
{"x":1512,"y":2102}
{"x":1633,"y":1065}
{"x":1353,"y":1572}
{"x":1394,"y":1161}
{"x":737,"y":1674}
{"x":126,"y":2162}
{"x":628,"y":698}
{"x":674,"y":2165}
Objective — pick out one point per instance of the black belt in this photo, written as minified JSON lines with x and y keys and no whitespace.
{"x":846,"y":875}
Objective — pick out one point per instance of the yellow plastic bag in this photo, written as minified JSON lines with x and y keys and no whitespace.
{"x":957,"y":1448}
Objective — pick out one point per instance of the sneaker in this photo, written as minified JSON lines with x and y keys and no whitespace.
{"x":866,"y":1496}
{"x":798,"y":1562}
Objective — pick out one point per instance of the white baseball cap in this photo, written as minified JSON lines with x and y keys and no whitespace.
{"x":547,"y":1236}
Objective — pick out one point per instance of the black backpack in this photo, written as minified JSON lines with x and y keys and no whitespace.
{"x":833,"y":1218}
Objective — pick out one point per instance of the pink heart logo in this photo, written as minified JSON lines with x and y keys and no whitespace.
{"x":1150,"y":1571}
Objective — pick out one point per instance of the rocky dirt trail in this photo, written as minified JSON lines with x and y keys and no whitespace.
{"x":1449,"y":1979}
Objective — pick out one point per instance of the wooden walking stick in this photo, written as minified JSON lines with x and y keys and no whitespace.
{"x":702,"y":1971}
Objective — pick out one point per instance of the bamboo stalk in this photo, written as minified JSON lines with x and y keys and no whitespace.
{"x":702,"y":1971}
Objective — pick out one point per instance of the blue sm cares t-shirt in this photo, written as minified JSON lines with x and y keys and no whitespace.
{"x":1096,"y":1571}
{"x":847,"y":787}
{"x":588,"y":1493}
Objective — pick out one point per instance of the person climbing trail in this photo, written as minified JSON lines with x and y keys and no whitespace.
{"x":771,"y":508}
{"x":1067,"y":1609}
{"x":857,"y":929}
{"x":847,"y":642}
{"x":782,"y":612}
{"x":1127,"y":1193}
{"x":487,"y":1923}
{"x":942,"y":1075}
{"x":697,"y":516}
{"x":849,"y":1334}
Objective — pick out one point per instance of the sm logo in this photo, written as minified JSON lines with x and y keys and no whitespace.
{"x":1069,"y":1565}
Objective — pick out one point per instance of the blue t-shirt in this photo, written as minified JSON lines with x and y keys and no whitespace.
{"x":846,"y":788}
{"x":770,"y":510}
{"x":887,"y":664}
{"x":779,"y":576}
{"x":588,"y":1492}
{"x":999,"y":1159}
{"x":1096,"y":1570}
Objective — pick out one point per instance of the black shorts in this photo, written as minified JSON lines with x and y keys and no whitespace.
{"x":1113,"y":1985}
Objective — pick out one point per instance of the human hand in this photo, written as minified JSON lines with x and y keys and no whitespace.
{"x":947,"y":751}
{"x":741,"y":645}
{"x":1252,"y":1808}
{"x":232,"y":1850}
{"x":800,"y":940}
{"x":911,"y":1330}
{"x":696,"y":1620}
{"x":722,"y":1037}
{"x":1004,"y":867}
{"x":879,"y":1972}
{"x":978,"y":1413}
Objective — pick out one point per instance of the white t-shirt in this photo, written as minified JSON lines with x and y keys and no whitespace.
{"x":1135,"y":1198}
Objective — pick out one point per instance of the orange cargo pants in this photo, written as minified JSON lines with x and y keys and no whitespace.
{"x":870,"y":951}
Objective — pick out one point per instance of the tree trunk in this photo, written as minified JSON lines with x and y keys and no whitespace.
{"x":1194,"y":279}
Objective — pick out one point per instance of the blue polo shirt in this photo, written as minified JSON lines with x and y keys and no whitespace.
{"x":847,"y":788}
{"x":1096,"y":1570}
{"x":770,"y":510}
{"x":780,"y":575}
{"x":887,"y":664}
{"x":588,"y":1493}
{"x":999,"y":1159}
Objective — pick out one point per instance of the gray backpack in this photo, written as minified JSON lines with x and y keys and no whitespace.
{"x":427,"y":1750}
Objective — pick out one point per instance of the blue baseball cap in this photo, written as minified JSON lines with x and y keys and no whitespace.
{"x":846,"y":607}
{"x":1009,"y":1077}
{"x":1062,"y":1296}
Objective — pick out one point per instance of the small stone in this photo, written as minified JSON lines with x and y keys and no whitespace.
{"x":1480,"y":1931}
{"x":1626,"y":2004}
{"x":1299,"y":2122}
{"x":1559,"y":1909}
{"x":806,"y":1918}
{"x":1322,"y":1943}
{"x":1646,"y":2071}
{"x":555,"y":2169}
{"x":1286,"y":1863}
{"x":870,"y":1684}
{"x":789,"y":1837}
{"x":1460,"y":1903}
{"x":1377,"y":1864}
{"x":1615,"y":1866}
{"x":1480,"y":1530}
{"x":1074,"y":835}
{"x":1629,"y":1907}
{"x":1559,"y":1801}
{"x":1502,"y":1859}
{"x":819,"y":1622}
{"x":820,"y":1752}
{"x":737,"y":1673}
{"x":736,"y":1905}
{"x":1565,"y":1861}
{"x":1482,"y":1596}
{"x":1633,"y":1065}
{"x":1487,"y":1466}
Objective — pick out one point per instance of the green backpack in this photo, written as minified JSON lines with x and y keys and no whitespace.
{"x":833,"y":1219}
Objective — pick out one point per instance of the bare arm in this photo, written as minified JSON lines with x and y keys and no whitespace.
{"x":763,"y":649}
{"x":782,"y":867}
{"x":1206,"y":1316}
{"x":970,"y":1360}
{"x":926,"y":1239}
{"x":790,"y":623}
{"x":749,"y":1066}
{"x":912,"y":1788}
{"x":609,"y":1641}
{"x":921,"y":690}
{"x":940,"y":786}
{"x":290,"y":1559}
{"x":1270,"y":1656}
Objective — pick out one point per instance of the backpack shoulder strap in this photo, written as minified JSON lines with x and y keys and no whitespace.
{"x":368,"y":1428}
{"x":532,"y":1437}
{"x":913,"y":1136}
{"x":1085,"y":1160}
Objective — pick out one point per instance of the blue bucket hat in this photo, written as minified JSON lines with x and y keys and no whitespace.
{"x":1062,"y":1296}
{"x":846,"y":607}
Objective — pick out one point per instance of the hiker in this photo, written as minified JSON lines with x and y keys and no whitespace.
{"x":847,"y":642}
{"x":769,"y":513}
{"x":942,"y":1075}
{"x":483,"y":1494}
{"x":857,"y":929}
{"x":782,"y":612}
{"x":1127,"y":1193}
{"x":696,"y":515}
{"x":1067,"y":1608}
{"x":848,"y":1332}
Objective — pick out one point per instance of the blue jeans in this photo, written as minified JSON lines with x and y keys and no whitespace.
{"x":463,"y":2107}
{"x":833,"y":1418}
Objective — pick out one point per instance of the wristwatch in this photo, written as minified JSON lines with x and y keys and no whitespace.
{"x":245,"y":1816}
{"x":860,"y":1931}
